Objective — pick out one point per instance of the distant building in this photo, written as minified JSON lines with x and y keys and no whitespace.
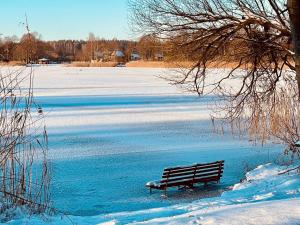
{"x":135,"y":57}
{"x":118,"y":56}
{"x":159,"y":56}
{"x":98,"y":55}
{"x":44,"y":61}
{"x":118,"y":53}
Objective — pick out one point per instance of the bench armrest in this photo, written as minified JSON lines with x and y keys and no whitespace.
{"x":153,"y":184}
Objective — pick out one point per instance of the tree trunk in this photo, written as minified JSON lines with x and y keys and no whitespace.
{"x":294,"y":11}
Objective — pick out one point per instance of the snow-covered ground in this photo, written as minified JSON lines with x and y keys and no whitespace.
{"x":113,"y":129}
{"x":264,"y":197}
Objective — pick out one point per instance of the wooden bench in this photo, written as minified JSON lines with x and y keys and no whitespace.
{"x":188,"y":176}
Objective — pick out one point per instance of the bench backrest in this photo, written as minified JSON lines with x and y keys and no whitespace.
{"x":192,"y":174}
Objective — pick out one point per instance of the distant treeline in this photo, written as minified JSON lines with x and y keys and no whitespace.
{"x":31,"y":48}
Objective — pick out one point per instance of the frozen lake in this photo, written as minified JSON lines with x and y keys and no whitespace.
{"x":113,"y":129}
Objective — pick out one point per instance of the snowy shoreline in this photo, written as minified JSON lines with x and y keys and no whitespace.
{"x":264,"y":197}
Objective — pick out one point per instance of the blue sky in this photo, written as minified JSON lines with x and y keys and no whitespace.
{"x":66,"y":19}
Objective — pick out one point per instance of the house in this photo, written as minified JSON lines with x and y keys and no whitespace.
{"x":44,"y":61}
{"x":98,"y":56}
{"x":118,"y":53}
{"x":135,"y":57}
{"x":118,"y":56}
{"x":159,"y":56}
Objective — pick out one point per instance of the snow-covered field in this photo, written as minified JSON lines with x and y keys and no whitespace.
{"x":113,"y":129}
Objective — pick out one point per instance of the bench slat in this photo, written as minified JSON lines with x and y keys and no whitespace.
{"x":190,"y":177}
{"x":198,"y":165}
{"x":182,"y":169}
{"x":188,"y":182}
{"x":197,"y":171}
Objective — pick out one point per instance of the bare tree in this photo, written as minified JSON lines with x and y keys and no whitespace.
{"x":148,"y":46}
{"x":91,"y":45}
{"x":253,"y":38}
{"x":27,"y":49}
{"x":294,"y":12}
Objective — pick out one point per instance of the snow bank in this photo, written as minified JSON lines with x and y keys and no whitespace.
{"x":264,"y":197}
{"x":262,"y":213}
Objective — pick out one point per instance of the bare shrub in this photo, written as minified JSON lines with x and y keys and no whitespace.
{"x":24,"y":166}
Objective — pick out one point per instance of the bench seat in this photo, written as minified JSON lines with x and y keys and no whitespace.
{"x":188,"y":176}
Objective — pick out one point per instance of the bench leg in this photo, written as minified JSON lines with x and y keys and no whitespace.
{"x":165,"y":192}
{"x":150,"y":191}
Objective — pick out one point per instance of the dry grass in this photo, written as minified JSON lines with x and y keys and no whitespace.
{"x":137,"y":64}
{"x":96,"y":64}
{"x":13,"y":63}
{"x":141,"y":64}
{"x":23,"y":146}
{"x":149,"y":64}
{"x":185,"y":64}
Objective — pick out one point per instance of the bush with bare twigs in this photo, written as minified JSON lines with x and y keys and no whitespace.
{"x":24,"y":166}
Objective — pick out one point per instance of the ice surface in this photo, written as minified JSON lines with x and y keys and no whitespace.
{"x":113,"y":129}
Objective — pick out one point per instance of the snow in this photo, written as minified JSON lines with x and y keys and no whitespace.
{"x":113,"y":129}
{"x":264,"y":197}
{"x":275,"y":212}
{"x":155,"y":183}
